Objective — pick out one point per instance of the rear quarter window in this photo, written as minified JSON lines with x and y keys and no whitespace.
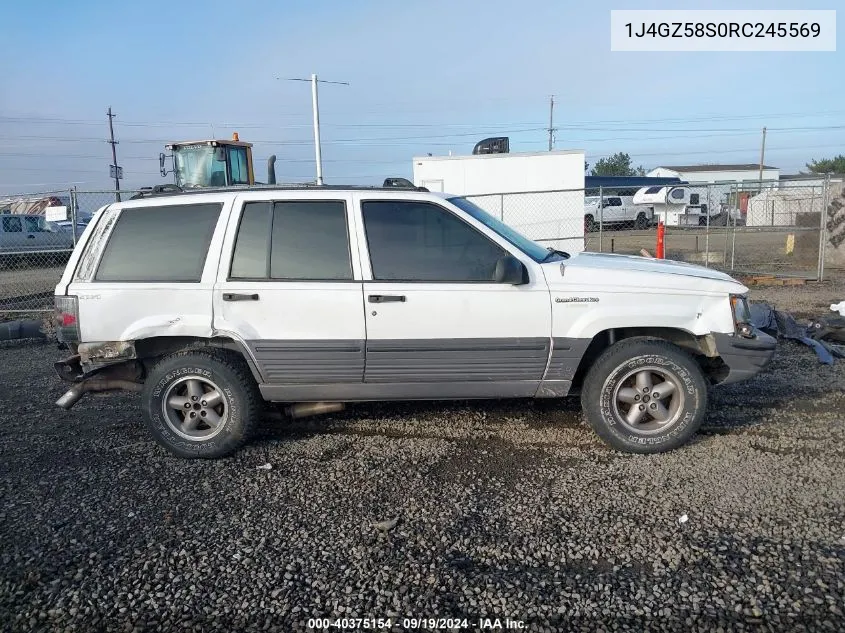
{"x":160,"y":243}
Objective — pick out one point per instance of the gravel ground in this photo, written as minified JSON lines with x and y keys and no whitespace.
{"x":505,"y":509}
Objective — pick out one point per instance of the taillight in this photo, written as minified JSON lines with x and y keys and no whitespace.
{"x":67,"y":319}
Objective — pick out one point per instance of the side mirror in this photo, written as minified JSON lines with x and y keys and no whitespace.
{"x":509,"y":270}
{"x":161,"y":159}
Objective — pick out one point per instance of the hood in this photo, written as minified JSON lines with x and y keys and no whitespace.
{"x":607,"y":269}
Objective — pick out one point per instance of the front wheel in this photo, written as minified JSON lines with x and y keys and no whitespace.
{"x":590,"y":224}
{"x":200,"y":404}
{"x":644,"y":396}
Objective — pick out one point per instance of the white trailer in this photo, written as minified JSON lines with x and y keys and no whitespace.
{"x":540,"y":194}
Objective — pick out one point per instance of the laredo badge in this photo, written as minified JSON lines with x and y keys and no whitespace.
{"x":576,"y":299}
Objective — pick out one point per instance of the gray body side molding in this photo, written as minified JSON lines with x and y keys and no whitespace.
{"x":416,"y":369}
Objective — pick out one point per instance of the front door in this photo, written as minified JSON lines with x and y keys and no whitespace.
{"x":290,"y":288}
{"x":438,"y":326}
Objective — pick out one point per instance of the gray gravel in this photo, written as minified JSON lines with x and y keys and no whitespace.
{"x":505,"y":509}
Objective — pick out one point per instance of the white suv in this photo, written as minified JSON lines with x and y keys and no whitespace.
{"x":208,"y":303}
{"x":615,"y":210}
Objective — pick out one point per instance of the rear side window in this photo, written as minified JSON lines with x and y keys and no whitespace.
{"x":168,"y":243}
{"x":293,"y":240}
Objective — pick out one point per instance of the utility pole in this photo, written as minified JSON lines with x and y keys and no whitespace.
{"x":762,"y":157}
{"x":315,"y":106}
{"x":552,"y":128}
{"x":114,"y":166}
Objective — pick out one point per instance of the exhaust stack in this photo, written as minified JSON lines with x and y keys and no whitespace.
{"x":271,"y":170}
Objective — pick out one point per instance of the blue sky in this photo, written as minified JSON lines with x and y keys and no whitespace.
{"x":432,"y":76}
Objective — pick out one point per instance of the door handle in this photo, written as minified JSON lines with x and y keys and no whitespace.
{"x":385,"y":298}
{"x":234,"y":296}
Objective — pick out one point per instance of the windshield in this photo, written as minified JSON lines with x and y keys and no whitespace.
{"x":197,"y":166}
{"x":535,"y":251}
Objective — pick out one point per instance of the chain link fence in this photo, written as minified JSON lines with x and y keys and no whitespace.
{"x":38,"y":232}
{"x":787,"y":228}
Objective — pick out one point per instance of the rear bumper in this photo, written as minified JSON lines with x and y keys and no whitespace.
{"x":744,"y":357}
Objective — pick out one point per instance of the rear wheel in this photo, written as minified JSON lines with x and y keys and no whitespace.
{"x":644,"y":396}
{"x":201,"y":404}
{"x":641,"y":222}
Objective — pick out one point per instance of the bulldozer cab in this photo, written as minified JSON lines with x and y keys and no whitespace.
{"x":215,"y":163}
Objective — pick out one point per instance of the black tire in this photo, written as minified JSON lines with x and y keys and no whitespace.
{"x":590,"y":225}
{"x":641,"y":222}
{"x":618,"y":370}
{"x":238,"y":413}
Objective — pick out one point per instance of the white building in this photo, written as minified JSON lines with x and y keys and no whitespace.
{"x":716,"y":173}
{"x":540,"y":194}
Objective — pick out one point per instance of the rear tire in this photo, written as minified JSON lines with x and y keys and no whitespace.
{"x":641,"y":222}
{"x":201,"y":404}
{"x":622,"y":398}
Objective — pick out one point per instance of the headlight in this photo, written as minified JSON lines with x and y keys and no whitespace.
{"x":742,"y":315}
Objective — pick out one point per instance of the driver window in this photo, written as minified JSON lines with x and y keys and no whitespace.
{"x":239,"y":166}
{"x":418,"y":241}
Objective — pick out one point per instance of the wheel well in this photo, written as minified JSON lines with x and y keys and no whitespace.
{"x":148,"y":350}
{"x":713,"y":367}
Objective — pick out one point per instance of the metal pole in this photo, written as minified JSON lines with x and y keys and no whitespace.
{"x":707,"y":231}
{"x":316,"y":107}
{"x":601,"y":213}
{"x":73,"y":213}
{"x":727,"y":226}
{"x":733,"y":233}
{"x":823,"y":227}
{"x":551,"y":121}
{"x":502,"y":207}
{"x":114,"y":157}
{"x":762,"y":157}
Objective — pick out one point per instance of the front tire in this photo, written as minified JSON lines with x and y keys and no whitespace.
{"x":644,"y":396}
{"x":201,"y":404}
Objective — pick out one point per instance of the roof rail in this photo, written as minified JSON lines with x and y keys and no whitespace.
{"x":171,"y":190}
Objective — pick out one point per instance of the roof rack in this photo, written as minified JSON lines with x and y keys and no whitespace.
{"x":175,"y":190}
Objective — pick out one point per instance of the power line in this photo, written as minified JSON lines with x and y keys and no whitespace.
{"x":40,"y":119}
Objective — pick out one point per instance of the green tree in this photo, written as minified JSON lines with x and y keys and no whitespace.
{"x":617,"y":165}
{"x":828,"y":165}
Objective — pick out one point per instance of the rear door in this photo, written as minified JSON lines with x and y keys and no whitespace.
{"x":290,"y":288}
{"x":149,"y":269}
{"x":438,"y":325}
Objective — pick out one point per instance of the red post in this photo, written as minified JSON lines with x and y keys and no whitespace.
{"x":661,"y":233}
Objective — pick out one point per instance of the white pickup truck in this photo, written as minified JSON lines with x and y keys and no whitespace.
{"x":615,"y":211}
{"x":208,"y":303}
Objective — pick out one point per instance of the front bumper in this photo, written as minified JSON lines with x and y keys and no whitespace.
{"x":744,"y":357}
